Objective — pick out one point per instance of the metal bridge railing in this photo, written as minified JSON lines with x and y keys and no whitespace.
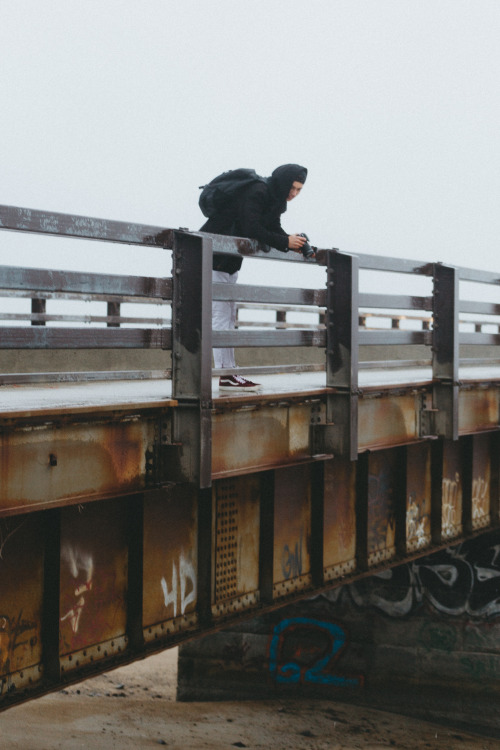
{"x":342,"y":304}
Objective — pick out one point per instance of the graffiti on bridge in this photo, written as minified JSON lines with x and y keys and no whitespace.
{"x":382,"y":521}
{"x":16,"y":634}
{"x":464,"y":579}
{"x":81,"y":568}
{"x":304,"y":650}
{"x":480,"y":498}
{"x":451,"y":506}
{"x":291,"y":560}
{"x":418,"y":522}
{"x":183,"y":583}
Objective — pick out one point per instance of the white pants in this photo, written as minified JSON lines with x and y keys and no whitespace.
{"x":223,"y":319}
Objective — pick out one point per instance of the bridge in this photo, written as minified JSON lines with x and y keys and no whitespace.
{"x":140,"y":508}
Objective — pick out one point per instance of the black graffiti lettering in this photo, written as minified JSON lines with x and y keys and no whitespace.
{"x":459,"y":580}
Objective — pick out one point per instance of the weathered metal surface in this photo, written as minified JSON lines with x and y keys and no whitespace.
{"x":48,"y":222}
{"x":478,"y":408}
{"x":451,"y":518}
{"x":84,"y":283}
{"x":192,"y":354}
{"x":21,"y":603}
{"x":170,"y":566}
{"x":61,"y":463}
{"x":342,"y":355}
{"x":93,"y":583}
{"x":292,"y":530}
{"x":272,"y":296}
{"x":382,"y":500}
{"x":302,"y":337}
{"x":481,"y":482}
{"x":257,"y":437}
{"x":388,"y":418}
{"x":418,"y":497}
{"x":395,"y":265}
{"x":339,"y":544}
{"x":246,"y":247}
{"x":85,"y":338}
{"x":236,"y":544}
{"x":398,"y":301}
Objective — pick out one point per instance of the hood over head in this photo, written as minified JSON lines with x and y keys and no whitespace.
{"x":283,"y":177}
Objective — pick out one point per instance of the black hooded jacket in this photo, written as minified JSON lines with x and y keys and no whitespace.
{"x":256,"y":214}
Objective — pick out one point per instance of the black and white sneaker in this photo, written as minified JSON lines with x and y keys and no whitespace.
{"x":238,"y":384}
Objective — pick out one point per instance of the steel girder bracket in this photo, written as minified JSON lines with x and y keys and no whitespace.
{"x":339,"y":434}
{"x":187,"y":456}
{"x":442,"y":419}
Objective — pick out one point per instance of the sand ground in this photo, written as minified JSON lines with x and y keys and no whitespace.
{"x":135,"y":707}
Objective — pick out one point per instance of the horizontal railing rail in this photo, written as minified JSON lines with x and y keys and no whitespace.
{"x":85,"y":284}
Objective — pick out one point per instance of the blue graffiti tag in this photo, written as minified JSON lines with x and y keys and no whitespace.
{"x":304,"y":631}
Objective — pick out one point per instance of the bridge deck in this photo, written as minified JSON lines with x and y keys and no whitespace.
{"x":26,"y":400}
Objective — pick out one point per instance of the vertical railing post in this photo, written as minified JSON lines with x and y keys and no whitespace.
{"x":192,"y":355}
{"x":339,"y":433}
{"x":342,"y":310}
{"x":38,"y":306}
{"x":280,"y":317}
{"x":113,"y":311}
{"x":445,"y":351}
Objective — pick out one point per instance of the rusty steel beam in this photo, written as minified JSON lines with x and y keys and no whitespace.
{"x":113,"y":449}
{"x":59,"y":459}
{"x":95,"y":584}
{"x":284,"y":436}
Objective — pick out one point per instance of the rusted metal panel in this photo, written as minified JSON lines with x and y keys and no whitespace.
{"x":382,"y":485}
{"x":257,"y":438}
{"x":478,"y":409}
{"x":388,"y":420}
{"x":56,"y":463}
{"x":93,"y":583}
{"x":236,"y":547}
{"x":170,"y":566}
{"x":339,"y":518}
{"x":21,"y":602}
{"x":418,"y":497}
{"x":292,"y":530}
{"x":481,"y":482}
{"x":451,"y":508}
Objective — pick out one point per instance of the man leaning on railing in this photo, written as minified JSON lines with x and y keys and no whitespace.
{"x":253,"y":210}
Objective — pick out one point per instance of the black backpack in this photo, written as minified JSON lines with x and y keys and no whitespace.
{"x":220,"y":192}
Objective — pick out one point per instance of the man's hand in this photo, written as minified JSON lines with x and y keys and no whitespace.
{"x":295,"y":242}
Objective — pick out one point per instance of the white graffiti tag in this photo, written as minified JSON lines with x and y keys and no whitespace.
{"x":450,"y":508}
{"x":417,"y":525}
{"x":480,"y":498}
{"x":180,"y":580}
{"x":78,"y":561}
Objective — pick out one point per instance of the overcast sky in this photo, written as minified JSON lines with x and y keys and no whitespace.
{"x":120,"y":109}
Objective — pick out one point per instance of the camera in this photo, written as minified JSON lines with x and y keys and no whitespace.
{"x":307,"y":250}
